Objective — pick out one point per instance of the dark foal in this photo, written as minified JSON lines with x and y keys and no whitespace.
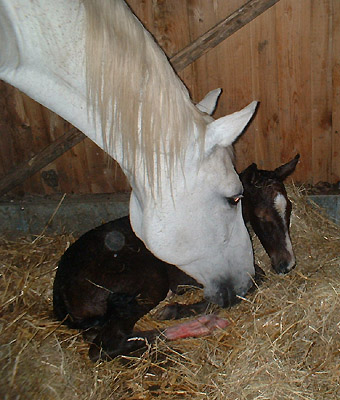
{"x":267,"y":207}
{"x":107,"y":280}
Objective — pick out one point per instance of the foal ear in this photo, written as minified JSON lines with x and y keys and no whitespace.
{"x":287,"y":169}
{"x":208,"y":104}
{"x":248,"y":175}
{"x":224,"y":131}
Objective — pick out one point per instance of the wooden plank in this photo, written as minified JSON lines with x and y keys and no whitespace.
{"x":172,"y":31}
{"x":42,"y":131}
{"x":220,"y":32}
{"x":170,"y":25}
{"x":294,"y":77}
{"x":265,"y":89}
{"x":240,"y":90}
{"x":50,"y":153}
{"x":206,"y":73}
{"x":202,"y":75}
{"x":321,"y":89}
{"x":335,"y":175}
{"x":7,"y":105}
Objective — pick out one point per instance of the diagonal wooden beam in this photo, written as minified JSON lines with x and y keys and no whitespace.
{"x":40,"y":160}
{"x":235,"y":21}
{"x":220,"y":32}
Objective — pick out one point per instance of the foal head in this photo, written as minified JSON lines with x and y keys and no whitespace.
{"x":267,"y":207}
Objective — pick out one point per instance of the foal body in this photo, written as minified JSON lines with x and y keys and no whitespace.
{"x":107,"y":280}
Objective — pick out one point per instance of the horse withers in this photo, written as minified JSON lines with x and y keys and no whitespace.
{"x":107,"y":280}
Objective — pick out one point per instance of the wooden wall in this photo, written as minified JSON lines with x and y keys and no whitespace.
{"x":288,"y":58}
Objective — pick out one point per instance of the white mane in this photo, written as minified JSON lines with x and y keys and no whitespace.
{"x":143,"y":105}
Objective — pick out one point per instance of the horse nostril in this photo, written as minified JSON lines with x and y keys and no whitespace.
{"x":230,"y":299}
{"x":283,"y":267}
{"x":223,"y":294}
{"x":225,"y":299}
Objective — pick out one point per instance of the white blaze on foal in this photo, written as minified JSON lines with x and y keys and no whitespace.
{"x":280,"y":204}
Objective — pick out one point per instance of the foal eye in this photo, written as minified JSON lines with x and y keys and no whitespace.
{"x":234,"y":200}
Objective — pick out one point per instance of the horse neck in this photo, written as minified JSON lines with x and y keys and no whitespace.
{"x":48,"y":43}
{"x":147,"y":108}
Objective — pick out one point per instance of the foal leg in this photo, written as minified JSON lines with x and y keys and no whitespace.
{"x":177,"y":311}
{"x":123,"y":343}
{"x":123,"y":311}
{"x":179,"y":279}
{"x":110,"y":341}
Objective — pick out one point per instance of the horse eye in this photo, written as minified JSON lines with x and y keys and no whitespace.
{"x":234,"y":200}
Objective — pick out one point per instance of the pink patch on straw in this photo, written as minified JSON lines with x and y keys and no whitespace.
{"x":202,"y":326}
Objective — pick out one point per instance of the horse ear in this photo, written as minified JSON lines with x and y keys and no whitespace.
{"x":224,"y":131}
{"x":208,"y":104}
{"x":287,"y":169}
{"x":248,"y":175}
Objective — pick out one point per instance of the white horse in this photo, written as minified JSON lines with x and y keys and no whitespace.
{"x":94,"y":64}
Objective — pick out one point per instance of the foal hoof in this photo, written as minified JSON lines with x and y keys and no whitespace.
{"x":90,"y":334}
{"x":168,"y":312}
{"x":178,"y":311}
{"x":95,"y":353}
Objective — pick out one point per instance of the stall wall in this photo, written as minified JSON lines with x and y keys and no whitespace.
{"x":288,"y":58}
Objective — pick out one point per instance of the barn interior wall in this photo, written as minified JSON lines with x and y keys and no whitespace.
{"x":288,"y":58}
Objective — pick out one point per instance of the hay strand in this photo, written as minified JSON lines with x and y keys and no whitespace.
{"x":282,"y":343}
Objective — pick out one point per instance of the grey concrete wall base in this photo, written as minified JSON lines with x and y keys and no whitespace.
{"x":78,"y":214}
{"x":331,"y":204}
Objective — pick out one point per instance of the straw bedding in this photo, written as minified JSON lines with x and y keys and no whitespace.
{"x":283,"y":341}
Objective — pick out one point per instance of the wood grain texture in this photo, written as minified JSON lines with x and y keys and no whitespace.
{"x":288,"y":58}
{"x":335,"y":154}
{"x":265,"y":88}
{"x":321,"y":88}
{"x":294,"y":77}
{"x":46,"y":156}
{"x":225,"y":28}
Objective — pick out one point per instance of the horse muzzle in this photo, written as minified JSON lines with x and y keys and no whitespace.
{"x":224,"y":294}
{"x":283,"y":266}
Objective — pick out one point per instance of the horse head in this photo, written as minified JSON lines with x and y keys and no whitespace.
{"x":267,"y":207}
{"x":196,"y":223}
